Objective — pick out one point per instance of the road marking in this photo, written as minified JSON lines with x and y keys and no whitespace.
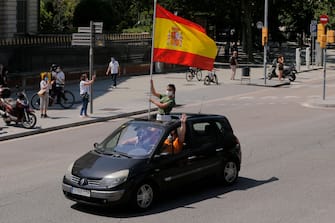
{"x":291,"y":97}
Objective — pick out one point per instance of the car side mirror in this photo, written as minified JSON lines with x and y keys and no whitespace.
{"x":96,"y":145}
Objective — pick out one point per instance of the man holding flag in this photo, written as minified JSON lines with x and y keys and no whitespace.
{"x":179,"y":41}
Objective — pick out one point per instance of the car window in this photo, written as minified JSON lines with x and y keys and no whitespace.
{"x":204,"y":132}
{"x":220,"y":127}
{"x":199,"y":128}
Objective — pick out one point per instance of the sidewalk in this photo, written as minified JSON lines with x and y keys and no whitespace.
{"x":131,"y":98}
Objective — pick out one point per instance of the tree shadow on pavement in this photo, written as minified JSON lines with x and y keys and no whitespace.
{"x":184,"y":198}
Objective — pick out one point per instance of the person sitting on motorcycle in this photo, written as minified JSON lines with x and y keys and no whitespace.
{"x":280,"y":66}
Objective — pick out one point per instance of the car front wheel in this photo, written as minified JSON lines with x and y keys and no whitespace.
{"x":230,"y":172}
{"x":144,"y":196}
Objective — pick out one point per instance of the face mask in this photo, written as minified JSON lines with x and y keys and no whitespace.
{"x":46,"y":79}
{"x":57,"y":70}
{"x":169,"y":93}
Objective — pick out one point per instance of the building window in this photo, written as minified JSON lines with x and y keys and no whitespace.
{"x":21,"y":16}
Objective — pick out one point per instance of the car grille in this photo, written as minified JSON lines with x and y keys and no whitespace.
{"x":76,"y":180}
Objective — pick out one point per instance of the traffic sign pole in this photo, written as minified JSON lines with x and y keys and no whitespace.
{"x":86,"y":37}
{"x":324,"y":19}
{"x":265,"y":43}
{"x":91,"y":56}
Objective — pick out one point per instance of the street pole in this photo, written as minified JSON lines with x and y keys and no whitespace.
{"x":266,"y":43}
{"x":324,"y":74}
{"x":91,"y":64}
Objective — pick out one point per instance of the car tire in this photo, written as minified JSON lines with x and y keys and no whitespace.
{"x":230,"y":172}
{"x":143,"y":196}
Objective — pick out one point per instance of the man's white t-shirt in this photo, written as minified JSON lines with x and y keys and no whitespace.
{"x":60,"y":78}
{"x":114,"y":67}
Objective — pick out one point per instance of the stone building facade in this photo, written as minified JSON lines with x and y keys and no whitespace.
{"x":19,"y":17}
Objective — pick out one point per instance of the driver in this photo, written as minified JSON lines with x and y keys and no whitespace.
{"x":144,"y":137}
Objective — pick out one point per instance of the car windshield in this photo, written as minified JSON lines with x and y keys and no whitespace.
{"x":132,"y":140}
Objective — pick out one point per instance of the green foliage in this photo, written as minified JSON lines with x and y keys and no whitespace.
{"x":56,"y":16}
{"x":219,"y":17}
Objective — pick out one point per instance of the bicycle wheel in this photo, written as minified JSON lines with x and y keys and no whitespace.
{"x":199,"y":75}
{"x":207,"y":80}
{"x":35,"y":101}
{"x":67,"y":99}
{"x":189,"y":75}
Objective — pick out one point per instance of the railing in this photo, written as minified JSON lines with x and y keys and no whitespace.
{"x":65,"y":39}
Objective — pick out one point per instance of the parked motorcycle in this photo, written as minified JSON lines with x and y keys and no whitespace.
{"x":18,"y":110}
{"x":289,"y":71}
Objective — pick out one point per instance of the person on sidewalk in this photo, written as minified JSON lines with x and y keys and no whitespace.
{"x":233,"y":65}
{"x":60,"y":83}
{"x":3,"y":76}
{"x":84,"y":87}
{"x":113,"y":69}
{"x":45,"y":86}
{"x":166,"y":101}
{"x":280,"y":66}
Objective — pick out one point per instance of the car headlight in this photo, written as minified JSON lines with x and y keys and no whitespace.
{"x":114,"y":179}
{"x":68,"y":174}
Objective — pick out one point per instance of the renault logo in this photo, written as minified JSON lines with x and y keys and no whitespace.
{"x":83,"y":182}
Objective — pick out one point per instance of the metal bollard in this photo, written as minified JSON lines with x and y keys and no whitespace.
{"x":297,"y":59}
{"x":308,"y":57}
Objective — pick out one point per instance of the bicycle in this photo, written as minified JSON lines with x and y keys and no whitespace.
{"x":193,"y":72}
{"x":211,"y":78}
{"x":67,"y":100}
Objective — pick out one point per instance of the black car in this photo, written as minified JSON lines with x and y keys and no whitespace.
{"x":122,"y":170}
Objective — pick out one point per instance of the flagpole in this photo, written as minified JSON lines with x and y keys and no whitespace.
{"x":152,"y":54}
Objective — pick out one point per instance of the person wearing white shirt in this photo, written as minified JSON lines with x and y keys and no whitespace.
{"x":84,"y":87}
{"x":113,"y":69}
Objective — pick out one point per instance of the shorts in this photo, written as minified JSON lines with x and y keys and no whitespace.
{"x":280,"y":66}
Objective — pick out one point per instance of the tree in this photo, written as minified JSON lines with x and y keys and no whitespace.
{"x":56,"y":16}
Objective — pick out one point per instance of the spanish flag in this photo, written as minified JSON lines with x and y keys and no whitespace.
{"x":179,"y":41}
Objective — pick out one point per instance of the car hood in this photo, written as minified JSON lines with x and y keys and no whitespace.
{"x":96,"y":166}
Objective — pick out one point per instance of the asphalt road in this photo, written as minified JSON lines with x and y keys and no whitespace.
{"x":287,"y":166}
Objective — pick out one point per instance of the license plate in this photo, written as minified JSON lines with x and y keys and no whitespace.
{"x":81,"y":192}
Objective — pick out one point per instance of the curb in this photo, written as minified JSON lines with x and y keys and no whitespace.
{"x":70,"y":125}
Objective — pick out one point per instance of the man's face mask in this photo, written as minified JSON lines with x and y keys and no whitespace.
{"x":169,"y":93}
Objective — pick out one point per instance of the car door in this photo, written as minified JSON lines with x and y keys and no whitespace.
{"x":203,"y":148}
{"x":174,"y":169}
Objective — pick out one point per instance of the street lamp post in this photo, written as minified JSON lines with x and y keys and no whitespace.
{"x":266,"y":42}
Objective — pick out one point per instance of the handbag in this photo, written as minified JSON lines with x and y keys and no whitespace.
{"x":41,"y":92}
{"x":85,"y":95}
